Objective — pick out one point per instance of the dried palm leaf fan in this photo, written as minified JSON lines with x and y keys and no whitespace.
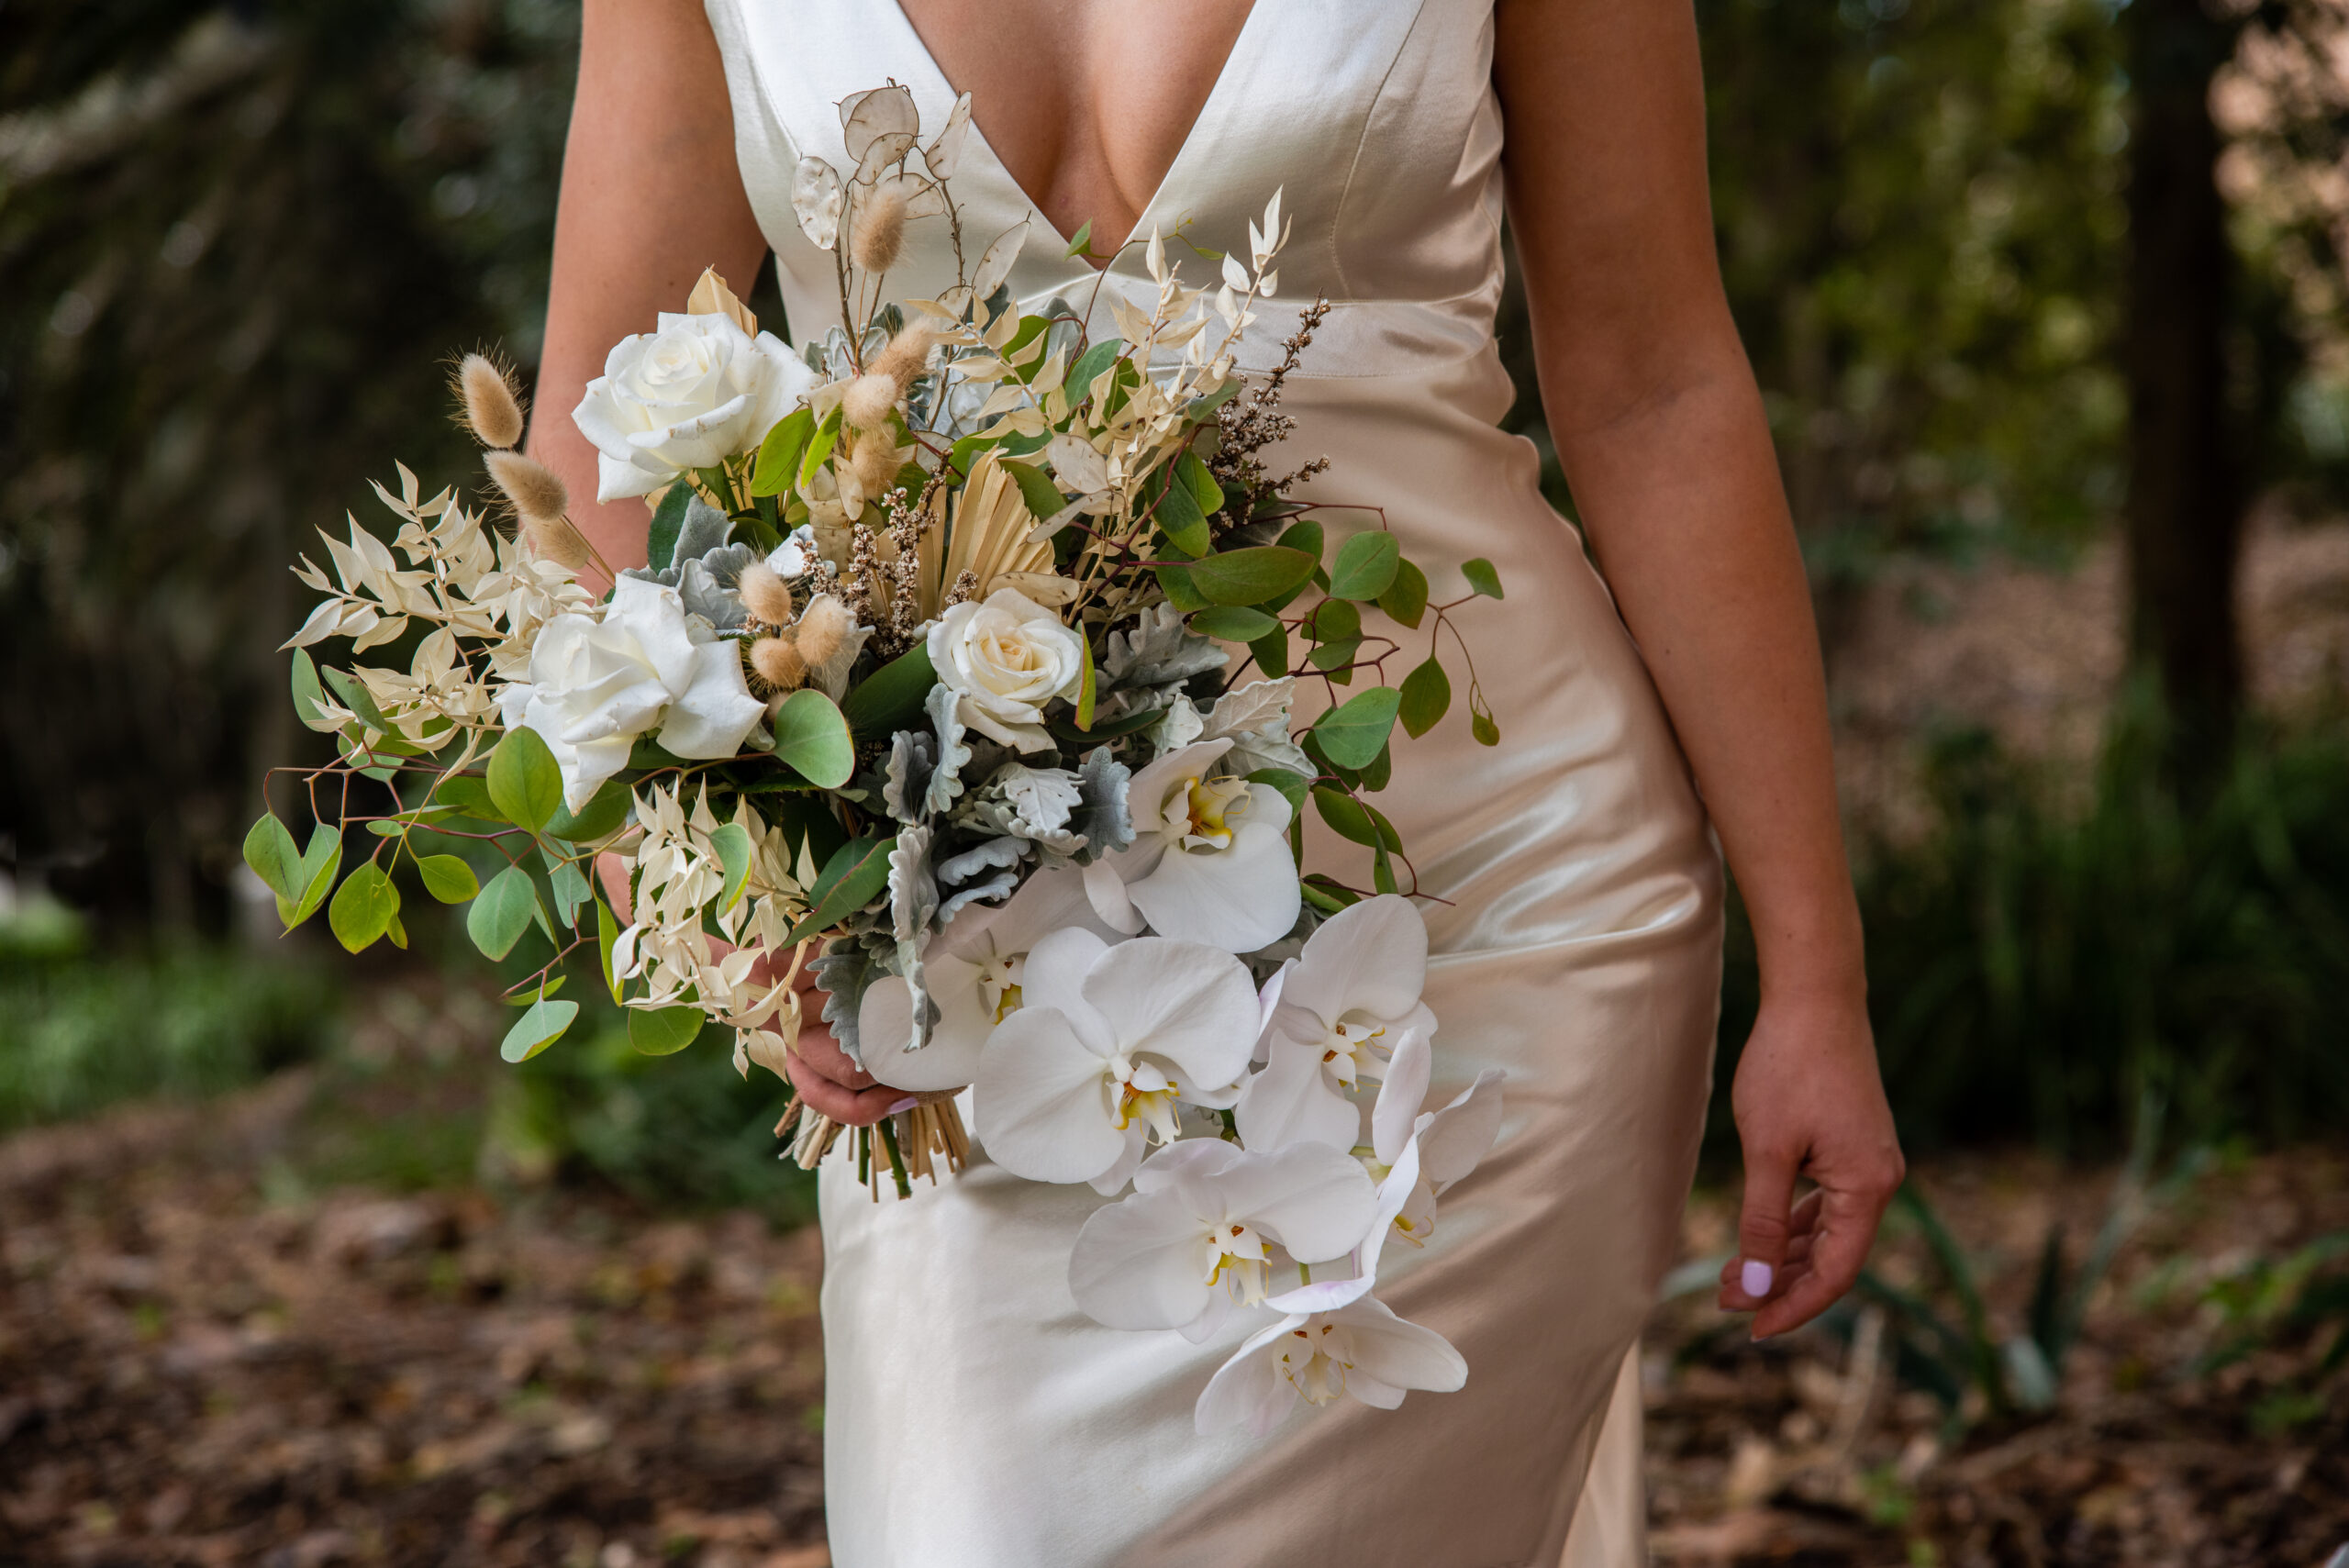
{"x":988,"y":538}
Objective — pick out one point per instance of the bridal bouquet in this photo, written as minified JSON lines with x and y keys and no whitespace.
{"x":930,"y":687}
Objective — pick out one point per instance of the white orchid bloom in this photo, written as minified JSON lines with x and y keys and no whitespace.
{"x":1209,"y":862}
{"x":974,"y":970}
{"x":1415,"y":1156}
{"x":1352,"y":997}
{"x":1193,"y":1237}
{"x":1361,"y":1349}
{"x":1106,"y":1043}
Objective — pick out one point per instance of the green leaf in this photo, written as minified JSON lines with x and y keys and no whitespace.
{"x":1294,"y":787}
{"x":1350,"y":819}
{"x":447,"y":878}
{"x":663,"y":1031}
{"x":1271,"y":652}
{"x":1204,"y":491}
{"x":891,"y":697}
{"x":1035,"y":488}
{"x":1186,"y":527}
{"x":546,"y":988}
{"x":1427,"y":693}
{"x":1354,"y":733}
{"x":524,"y":783}
{"x":503,"y":912}
{"x":1405,"y":599}
{"x":1081,"y":242}
{"x":269,"y":850}
{"x":320,"y":861}
{"x":1332,"y":658}
{"x":1306,"y":535}
{"x":1234,"y":623}
{"x":357,"y":699}
{"x":608,"y":931}
{"x":811,"y":736}
{"x":850,"y":880}
{"x":1375,"y":773}
{"x":1174,"y":581}
{"x":1482,"y":577}
{"x":1249,"y":576}
{"x":1382,"y":871}
{"x":826,"y":437}
{"x":1089,"y":686}
{"x":1097,"y":358}
{"x":307,"y":693}
{"x":606,"y":810}
{"x":469,"y":793}
{"x":539,"y":1027}
{"x":779,"y":453}
{"x":363,"y":907}
{"x":668,"y":522}
{"x":567,"y":888}
{"x":1334,"y":620}
{"x":1326,"y":896}
{"x":1365,"y":566}
{"x":732,"y":842}
{"x":1481,"y":723}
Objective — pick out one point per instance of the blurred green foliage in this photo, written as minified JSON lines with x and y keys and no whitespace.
{"x":2036,"y":962}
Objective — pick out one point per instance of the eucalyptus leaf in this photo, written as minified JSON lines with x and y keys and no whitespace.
{"x":365,"y":908}
{"x":820,"y":448}
{"x":447,"y":878}
{"x":469,"y":793}
{"x":811,"y":736}
{"x":732,"y":843}
{"x":1354,"y":733}
{"x":1351,"y":818}
{"x":320,"y":861}
{"x":1427,"y":693}
{"x":540,"y":1025}
{"x":663,"y":1031}
{"x":608,"y":932}
{"x":1365,"y":566}
{"x":307,"y":694}
{"x":1249,"y":576}
{"x":1482,"y":577}
{"x":269,"y":850}
{"x":606,"y":810}
{"x":1271,"y":652}
{"x":1186,"y":525}
{"x":1234,"y":623}
{"x":850,"y":879}
{"x":1205,"y":491}
{"x":1406,"y":598}
{"x":502,"y":912}
{"x":1035,"y":488}
{"x":525,"y":785}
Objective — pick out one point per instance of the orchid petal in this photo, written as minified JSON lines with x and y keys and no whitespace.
{"x":1370,"y":958}
{"x":1396,"y":1115}
{"x":1316,"y":1201}
{"x":1239,"y":899}
{"x":1136,"y":1264}
{"x":1293,"y":1101}
{"x":1246,"y":1390}
{"x":1453,"y":1139}
{"x":1040,"y":1101}
{"x":885,"y":1025}
{"x":1191,"y":1005}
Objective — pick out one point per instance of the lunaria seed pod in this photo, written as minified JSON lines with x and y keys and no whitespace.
{"x":866,"y":401}
{"x":880,"y":233}
{"x":492,"y":410}
{"x":778,"y":663}
{"x":528,"y":483}
{"x":765,"y":594}
{"x":823,"y":628}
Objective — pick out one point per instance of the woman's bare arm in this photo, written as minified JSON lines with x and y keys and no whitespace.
{"x":1659,"y":424}
{"x":651,"y":195}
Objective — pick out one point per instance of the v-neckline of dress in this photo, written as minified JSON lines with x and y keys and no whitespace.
{"x":1166,"y":181}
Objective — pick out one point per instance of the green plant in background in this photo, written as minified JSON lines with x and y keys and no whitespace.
{"x":2301,"y":1298}
{"x":2035,"y":962}
{"x":1967,"y":1365}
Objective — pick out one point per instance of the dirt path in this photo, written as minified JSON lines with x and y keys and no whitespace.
{"x":204,"y":1362}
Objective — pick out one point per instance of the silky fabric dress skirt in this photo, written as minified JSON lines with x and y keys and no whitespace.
{"x":973,"y":1417}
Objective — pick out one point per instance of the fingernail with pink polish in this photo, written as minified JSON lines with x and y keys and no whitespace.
{"x":910,"y":1101}
{"x":1754,"y":1278}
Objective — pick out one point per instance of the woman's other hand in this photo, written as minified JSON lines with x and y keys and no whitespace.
{"x":1809,"y":1102}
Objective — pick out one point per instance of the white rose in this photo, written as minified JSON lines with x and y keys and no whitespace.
{"x":690,"y":396}
{"x":1005,"y":660}
{"x":595,"y":685}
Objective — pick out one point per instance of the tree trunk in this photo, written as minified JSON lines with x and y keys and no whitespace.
{"x":2186,"y":483}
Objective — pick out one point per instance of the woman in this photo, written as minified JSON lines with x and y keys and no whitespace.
{"x":974,"y":1418}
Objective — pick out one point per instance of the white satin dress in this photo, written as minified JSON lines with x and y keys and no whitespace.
{"x":973,"y":1417}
